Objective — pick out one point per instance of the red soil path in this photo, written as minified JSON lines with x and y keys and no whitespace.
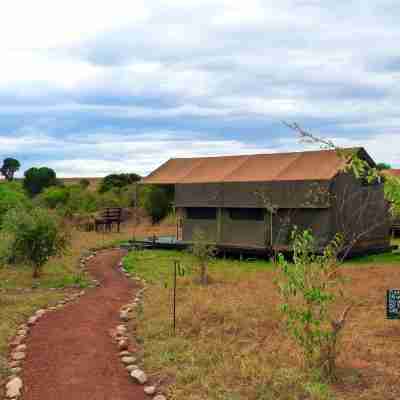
{"x":71,"y":355}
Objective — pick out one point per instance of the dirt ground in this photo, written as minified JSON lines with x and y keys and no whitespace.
{"x":70,"y":352}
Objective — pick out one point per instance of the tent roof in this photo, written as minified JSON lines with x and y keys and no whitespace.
{"x":275,"y":167}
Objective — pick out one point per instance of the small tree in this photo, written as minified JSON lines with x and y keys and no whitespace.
{"x":9,"y":168}
{"x":156,"y":200}
{"x":118,"y":181}
{"x":308,"y":288}
{"x":204,"y":251}
{"x":84,"y":183}
{"x":34,"y":236}
{"x":37,"y":179}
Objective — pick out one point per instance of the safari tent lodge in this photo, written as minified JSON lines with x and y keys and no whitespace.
{"x":253,"y":202}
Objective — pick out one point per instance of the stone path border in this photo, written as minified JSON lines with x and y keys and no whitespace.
{"x":18,"y":347}
{"x":120,"y":336}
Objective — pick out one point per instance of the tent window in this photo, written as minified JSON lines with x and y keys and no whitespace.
{"x":246,"y":214}
{"x":202,"y":213}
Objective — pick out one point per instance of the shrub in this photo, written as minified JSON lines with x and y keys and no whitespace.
{"x":84,"y":183}
{"x":204,"y":252}
{"x":156,"y":200}
{"x":34,"y":236}
{"x":307,"y":288}
{"x":11,"y":196}
{"x":392,"y":194}
{"x":118,"y":181}
{"x":37,"y":179}
{"x":54,"y":196}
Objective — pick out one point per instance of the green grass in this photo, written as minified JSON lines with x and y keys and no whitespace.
{"x":229,"y":343}
{"x":379,"y":259}
{"x":157,"y":266}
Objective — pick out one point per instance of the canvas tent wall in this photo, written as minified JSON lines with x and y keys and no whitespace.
{"x":307,"y":189}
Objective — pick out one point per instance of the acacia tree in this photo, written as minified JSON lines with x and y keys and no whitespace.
{"x":9,"y":168}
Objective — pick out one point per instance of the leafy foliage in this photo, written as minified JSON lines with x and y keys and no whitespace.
{"x":392,"y":194}
{"x":33,"y":237}
{"x":118,"y":181}
{"x":156,"y":200}
{"x":84,"y":183}
{"x":308,"y":290}
{"x":9,"y":168}
{"x":37,"y":179}
{"x":11,"y":196}
{"x":204,"y":252}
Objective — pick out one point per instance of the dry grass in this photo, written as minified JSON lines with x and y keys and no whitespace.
{"x":230,"y":343}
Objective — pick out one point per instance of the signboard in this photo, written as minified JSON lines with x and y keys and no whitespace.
{"x":393,"y":304}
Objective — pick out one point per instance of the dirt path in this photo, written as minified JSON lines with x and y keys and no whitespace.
{"x":71,"y":355}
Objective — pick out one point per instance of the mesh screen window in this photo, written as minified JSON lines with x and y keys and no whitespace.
{"x":202,"y":213}
{"x":246,"y":214}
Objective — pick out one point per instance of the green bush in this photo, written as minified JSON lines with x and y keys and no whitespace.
{"x":84,"y":183}
{"x":11,"y":196}
{"x":392,"y":194}
{"x":33,"y":237}
{"x":309,"y":290}
{"x":37,"y":179}
{"x":156,"y":200}
{"x":118,"y":181}
{"x":54,"y":196}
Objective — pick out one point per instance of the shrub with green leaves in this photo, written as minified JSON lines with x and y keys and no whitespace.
{"x":37,"y":179}
{"x":204,"y":252}
{"x":33,"y":237}
{"x":156,"y":200}
{"x":118,"y":181}
{"x":392,"y":194}
{"x":11,"y":196}
{"x":309,"y":288}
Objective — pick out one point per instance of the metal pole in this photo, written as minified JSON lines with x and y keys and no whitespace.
{"x":174,"y":304}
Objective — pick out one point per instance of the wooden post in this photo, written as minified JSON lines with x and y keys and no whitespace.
{"x":219,"y":224}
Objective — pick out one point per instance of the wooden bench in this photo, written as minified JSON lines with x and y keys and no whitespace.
{"x":109,"y":217}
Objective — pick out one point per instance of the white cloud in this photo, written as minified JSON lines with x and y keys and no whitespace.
{"x":209,"y":59}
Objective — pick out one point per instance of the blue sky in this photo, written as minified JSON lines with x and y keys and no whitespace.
{"x":90,"y":88}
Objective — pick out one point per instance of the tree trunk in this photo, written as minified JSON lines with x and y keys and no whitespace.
{"x":36,"y":271}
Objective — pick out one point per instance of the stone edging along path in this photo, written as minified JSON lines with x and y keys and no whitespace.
{"x":18,"y":345}
{"x":120,"y":337}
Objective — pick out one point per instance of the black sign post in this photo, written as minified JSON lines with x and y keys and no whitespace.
{"x":393,"y":304}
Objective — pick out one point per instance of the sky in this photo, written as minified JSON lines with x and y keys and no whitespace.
{"x":90,"y":88}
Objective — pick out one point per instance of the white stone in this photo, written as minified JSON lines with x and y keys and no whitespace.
{"x":21,"y":347}
{"x":13,"y":388}
{"x":132,"y":367}
{"x":32,"y":320}
{"x":128,"y":360}
{"x":150,"y":390}
{"x":139,"y":376}
{"x":159,"y":397}
{"x":18,"y":356}
{"x":121,"y":329}
{"x":39,"y":313}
